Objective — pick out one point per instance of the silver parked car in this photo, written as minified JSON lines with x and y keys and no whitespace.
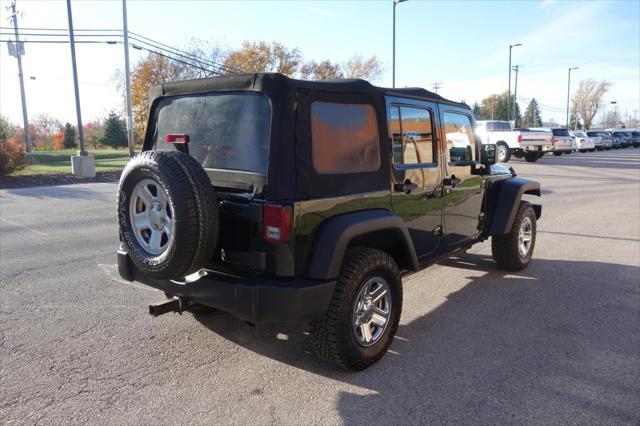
{"x":561,"y":140}
{"x":605,"y":138}
{"x":583,"y":142}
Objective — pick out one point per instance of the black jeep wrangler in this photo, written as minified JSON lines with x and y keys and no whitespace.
{"x":283,"y":200}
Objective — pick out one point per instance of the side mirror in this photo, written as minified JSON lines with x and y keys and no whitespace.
{"x":488,"y":154}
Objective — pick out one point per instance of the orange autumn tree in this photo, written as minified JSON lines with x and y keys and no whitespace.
{"x":56,"y":140}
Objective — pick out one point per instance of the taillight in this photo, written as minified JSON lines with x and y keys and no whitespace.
{"x":177,"y":138}
{"x":581,"y":140}
{"x":519,"y":138}
{"x":554,"y":140}
{"x":276,"y":223}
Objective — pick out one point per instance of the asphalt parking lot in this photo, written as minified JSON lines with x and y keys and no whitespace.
{"x":556,"y":343}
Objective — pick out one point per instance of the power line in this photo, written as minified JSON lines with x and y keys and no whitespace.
{"x":62,"y":29}
{"x":63,"y":41}
{"x":208,"y":70}
{"x":156,"y":46}
{"x":151,"y":41}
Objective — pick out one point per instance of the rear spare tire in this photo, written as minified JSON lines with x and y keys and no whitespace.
{"x":167,"y":214}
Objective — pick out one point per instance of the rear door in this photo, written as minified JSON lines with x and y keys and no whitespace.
{"x":416,"y":180}
{"x":463,"y":190}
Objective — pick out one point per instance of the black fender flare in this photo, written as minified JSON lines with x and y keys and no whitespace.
{"x":335,"y":234}
{"x":504,"y":202}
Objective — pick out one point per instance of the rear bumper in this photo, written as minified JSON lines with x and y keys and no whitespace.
{"x":252,"y":299}
{"x":530,"y":147}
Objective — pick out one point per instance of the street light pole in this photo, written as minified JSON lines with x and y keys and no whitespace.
{"x":568,"y":91}
{"x":515,"y":90}
{"x":127,"y":79}
{"x":82,"y":153}
{"x":393,"y":61}
{"x":511,"y":46}
{"x":82,"y":165}
{"x":25,"y":116}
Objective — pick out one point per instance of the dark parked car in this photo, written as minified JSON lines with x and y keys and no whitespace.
{"x":624,"y":138}
{"x":616,"y":142}
{"x":284,"y":200}
{"x":635,"y":137}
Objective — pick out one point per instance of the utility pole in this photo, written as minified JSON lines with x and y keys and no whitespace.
{"x":511,"y":46}
{"x":393,"y":60}
{"x":437,"y":85}
{"x":491,"y":107}
{"x":19,"y":52}
{"x":81,"y":165}
{"x":568,"y":91}
{"x":127,"y":78}
{"x":615,"y":113}
{"x":515,"y":91}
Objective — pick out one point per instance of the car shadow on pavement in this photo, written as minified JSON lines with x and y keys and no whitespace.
{"x":557,"y":342}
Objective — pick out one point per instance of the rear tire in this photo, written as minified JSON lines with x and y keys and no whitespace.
{"x":532,"y":157}
{"x":340,"y":336}
{"x":167,"y":193}
{"x":503,"y":153}
{"x":513,"y":251}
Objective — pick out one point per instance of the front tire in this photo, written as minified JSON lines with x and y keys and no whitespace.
{"x":557,"y":153}
{"x":513,"y":251}
{"x":364,"y":312}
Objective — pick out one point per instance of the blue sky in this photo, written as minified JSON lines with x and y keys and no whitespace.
{"x":462,"y":44}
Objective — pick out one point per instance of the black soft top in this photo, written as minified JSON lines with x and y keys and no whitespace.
{"x":291,"y":175}
{"x":270,"y":82}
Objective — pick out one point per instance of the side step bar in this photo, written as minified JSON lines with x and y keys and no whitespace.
{"x":177,"y":304}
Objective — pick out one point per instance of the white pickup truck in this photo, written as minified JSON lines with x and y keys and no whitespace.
{"x":519,"y":142}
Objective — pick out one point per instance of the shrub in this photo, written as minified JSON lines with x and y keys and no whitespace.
{"x":12,"y":156}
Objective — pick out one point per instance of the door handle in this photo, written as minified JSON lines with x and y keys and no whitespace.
{"x":452,"y":181}
{"x":406,"y":187}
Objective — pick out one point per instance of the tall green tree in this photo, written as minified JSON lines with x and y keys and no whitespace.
{"x":69,"y":139}
{"x":574,"y":120}
{"x":114,"y":131}
{"x":532,"y":115}
{"x":476,"y":111}
{"x":7,"y":128}
{"x":496,"y":107}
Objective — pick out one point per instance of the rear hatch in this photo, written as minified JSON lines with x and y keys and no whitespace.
{"x":561,"y":139}
{"x":228,"y":134}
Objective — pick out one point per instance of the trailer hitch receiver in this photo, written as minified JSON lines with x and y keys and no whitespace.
{"x":177,"y":304}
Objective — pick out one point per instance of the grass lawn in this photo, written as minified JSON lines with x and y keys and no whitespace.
{"x":107,"y":160}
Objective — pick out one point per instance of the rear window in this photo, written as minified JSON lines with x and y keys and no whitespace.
{"x":344,"y":138}
{"x":560,"y":132}
{"x":498,"y":126}
{"x":226,"y":130}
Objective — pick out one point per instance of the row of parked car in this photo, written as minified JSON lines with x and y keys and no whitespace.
{"x":533,"y":143}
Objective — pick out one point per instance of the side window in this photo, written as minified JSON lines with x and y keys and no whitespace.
{"x":460,"y":140}
{"x":344,"y":138}
{"x":411,"y":135}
